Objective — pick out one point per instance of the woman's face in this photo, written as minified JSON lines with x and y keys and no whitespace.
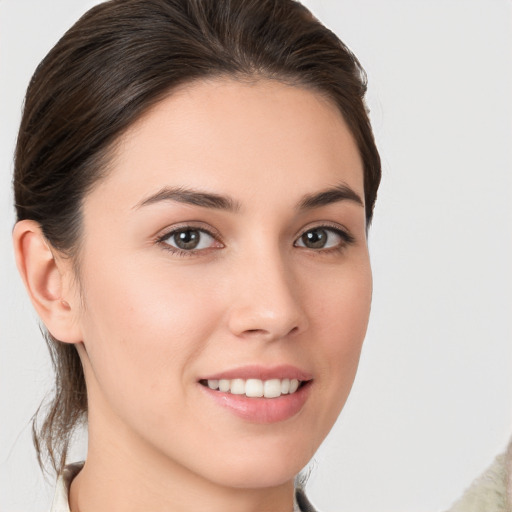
{"x":225,"y":248}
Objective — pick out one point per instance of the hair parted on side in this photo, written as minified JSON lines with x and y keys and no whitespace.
{"x":114,"y":64}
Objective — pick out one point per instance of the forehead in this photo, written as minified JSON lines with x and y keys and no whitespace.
{"x":236,"y":138}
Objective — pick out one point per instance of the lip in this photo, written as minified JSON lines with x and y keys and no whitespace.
{"x":261,"y":410}
{"x":284,"y":371}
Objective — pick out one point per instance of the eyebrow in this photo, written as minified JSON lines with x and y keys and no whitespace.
{"x":328,"y":196}
{"x":335,"y":194}
{"x":191,"y":196}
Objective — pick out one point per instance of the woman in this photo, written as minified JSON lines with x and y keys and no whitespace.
{"x":241,"y":270}
{"x":194,"y":182}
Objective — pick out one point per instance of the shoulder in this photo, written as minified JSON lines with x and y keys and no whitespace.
{"x":492,"y":491}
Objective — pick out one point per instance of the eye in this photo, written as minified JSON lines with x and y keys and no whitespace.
{"x":189,"y":239}
{"x":324,"y":237}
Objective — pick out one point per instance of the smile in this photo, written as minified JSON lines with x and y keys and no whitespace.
{"x":254,"y":388}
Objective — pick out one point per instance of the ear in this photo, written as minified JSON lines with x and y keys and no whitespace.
{"x":48,"y":281}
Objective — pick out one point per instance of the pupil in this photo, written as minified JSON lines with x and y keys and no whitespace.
{"x":188,"y":239}
{"x":315,"y":239}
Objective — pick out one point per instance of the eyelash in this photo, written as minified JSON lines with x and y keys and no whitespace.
{"x":161,"y":240}
{"x":346,"y":239}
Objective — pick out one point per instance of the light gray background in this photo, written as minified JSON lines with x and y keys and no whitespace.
{"x":432,"y":404}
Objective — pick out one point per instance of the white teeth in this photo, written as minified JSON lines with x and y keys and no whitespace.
{"x":224,"y":385}
{"x":237,"y":387}
{"x":255,"y":388}
{"x":272,"y":388}
{"x":213,"y":384}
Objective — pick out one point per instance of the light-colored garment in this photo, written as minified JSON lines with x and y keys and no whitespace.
{"x":61,"y":497}
{"x":492,"y":491}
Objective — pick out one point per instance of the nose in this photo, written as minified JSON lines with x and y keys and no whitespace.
{"x":266,"y":303}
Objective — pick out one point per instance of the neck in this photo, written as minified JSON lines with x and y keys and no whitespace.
{"x":123,"y":474}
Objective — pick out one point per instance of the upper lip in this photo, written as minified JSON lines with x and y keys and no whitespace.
{"x":284,"y":371}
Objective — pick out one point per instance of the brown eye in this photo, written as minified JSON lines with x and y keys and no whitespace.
{"x":189,"y":239}
{"x":315,"y":238}
{"x":324,"y":237}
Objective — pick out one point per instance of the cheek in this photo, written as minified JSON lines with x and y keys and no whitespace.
{"x":147,"y":305}
{"x":341,"y":320}
{"x":341,"y":306}
{"x":141,"y":334}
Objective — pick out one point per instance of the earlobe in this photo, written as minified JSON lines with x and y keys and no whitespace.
{"x":46,"y":281}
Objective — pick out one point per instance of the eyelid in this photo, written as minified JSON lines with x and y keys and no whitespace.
{"x":184,"y":226}
{"x":339,"y":229}
{"x":181,"y":226}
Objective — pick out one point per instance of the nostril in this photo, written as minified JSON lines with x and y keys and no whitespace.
{"x":264,"y":332}
{"x":254,"y":331}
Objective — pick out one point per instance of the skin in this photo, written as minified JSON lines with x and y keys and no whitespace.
{"x":149,"y":323}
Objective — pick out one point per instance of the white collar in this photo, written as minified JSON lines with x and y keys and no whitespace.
{"x":60,"y":501}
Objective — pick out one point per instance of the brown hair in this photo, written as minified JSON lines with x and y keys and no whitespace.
{"x":118,"y":60}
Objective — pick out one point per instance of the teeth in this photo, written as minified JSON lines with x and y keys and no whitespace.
{"x":213,"y":384}
{"x":237,"y":387}
{"x":272,"y":388}
{"x":224,"y":384}
{"x":255,"y":388}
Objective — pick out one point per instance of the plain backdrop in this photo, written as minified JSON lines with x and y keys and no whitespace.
{"x":432,"y":403}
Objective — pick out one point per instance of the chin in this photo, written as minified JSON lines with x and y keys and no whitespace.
{"x":259,"y":467}
{"x":249,"y":476}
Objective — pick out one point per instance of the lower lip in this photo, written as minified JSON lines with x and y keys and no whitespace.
{"x":262,"y":410}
